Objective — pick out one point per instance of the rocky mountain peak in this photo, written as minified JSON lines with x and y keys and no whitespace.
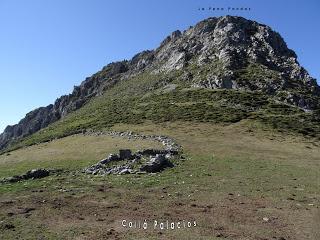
{"x":233,"y":47}
{"x":235,"y":41}
{"x":226,"y":52}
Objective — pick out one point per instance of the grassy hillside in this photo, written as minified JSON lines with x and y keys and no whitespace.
{"x":164,"y":97}
{"x":231,"y":180}
{"x":69,"y":153}
{"x":248,"y":158}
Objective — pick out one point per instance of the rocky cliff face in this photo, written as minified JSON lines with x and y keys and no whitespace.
{"x":225,"y":52}
{"x":43,"y":116}
{"x":239,"y":54}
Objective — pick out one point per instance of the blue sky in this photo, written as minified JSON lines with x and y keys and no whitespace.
{"x":47,"y":47}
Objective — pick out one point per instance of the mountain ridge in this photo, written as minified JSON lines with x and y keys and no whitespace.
{"x":217,"y":53}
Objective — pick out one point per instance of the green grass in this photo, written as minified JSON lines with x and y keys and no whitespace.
{"x":140,"y":98}
{"x":70,"y":153}
{"x":257,"y":73}
{"x":264,"y":174}
{"x":199,"y":105}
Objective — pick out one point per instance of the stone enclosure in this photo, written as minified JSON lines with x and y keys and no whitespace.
{"x":142,"y":161}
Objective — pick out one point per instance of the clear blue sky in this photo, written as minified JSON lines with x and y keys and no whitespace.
{"x":49,"y":46}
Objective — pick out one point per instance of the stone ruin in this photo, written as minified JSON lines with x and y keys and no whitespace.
{"x":126,"y":162}
{"x":143,"y":161}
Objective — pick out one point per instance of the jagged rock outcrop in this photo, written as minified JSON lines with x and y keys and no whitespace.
{"x":43,"y":116}
{"x":233,"y":43}
{"x":226,"y":52}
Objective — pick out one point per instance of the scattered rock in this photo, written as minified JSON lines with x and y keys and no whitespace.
{"x":125,"y":171}
{"x":149,"y":152}
{"x":32,"y":174}
{"x":37,"y":173}
{"x":219,"y":235}
{"x":156,"y":164}
{"x":265,"y":219}
{"x":157,"y":159}
{"x":110,"y":158}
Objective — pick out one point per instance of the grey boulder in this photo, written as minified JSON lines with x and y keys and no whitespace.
{"x":156,"y":164}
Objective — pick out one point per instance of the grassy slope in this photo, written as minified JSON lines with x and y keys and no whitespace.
{"x":230,"y":180}
{"x":238,"y":169}
{"x":73,"y":152}
{"x":145,"y":97}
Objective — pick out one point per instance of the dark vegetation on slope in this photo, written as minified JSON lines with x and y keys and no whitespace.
{"x":146,"y":97}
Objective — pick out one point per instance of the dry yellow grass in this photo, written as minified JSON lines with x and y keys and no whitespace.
{"x":236,"y":141}
{"x":73,"y":152}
